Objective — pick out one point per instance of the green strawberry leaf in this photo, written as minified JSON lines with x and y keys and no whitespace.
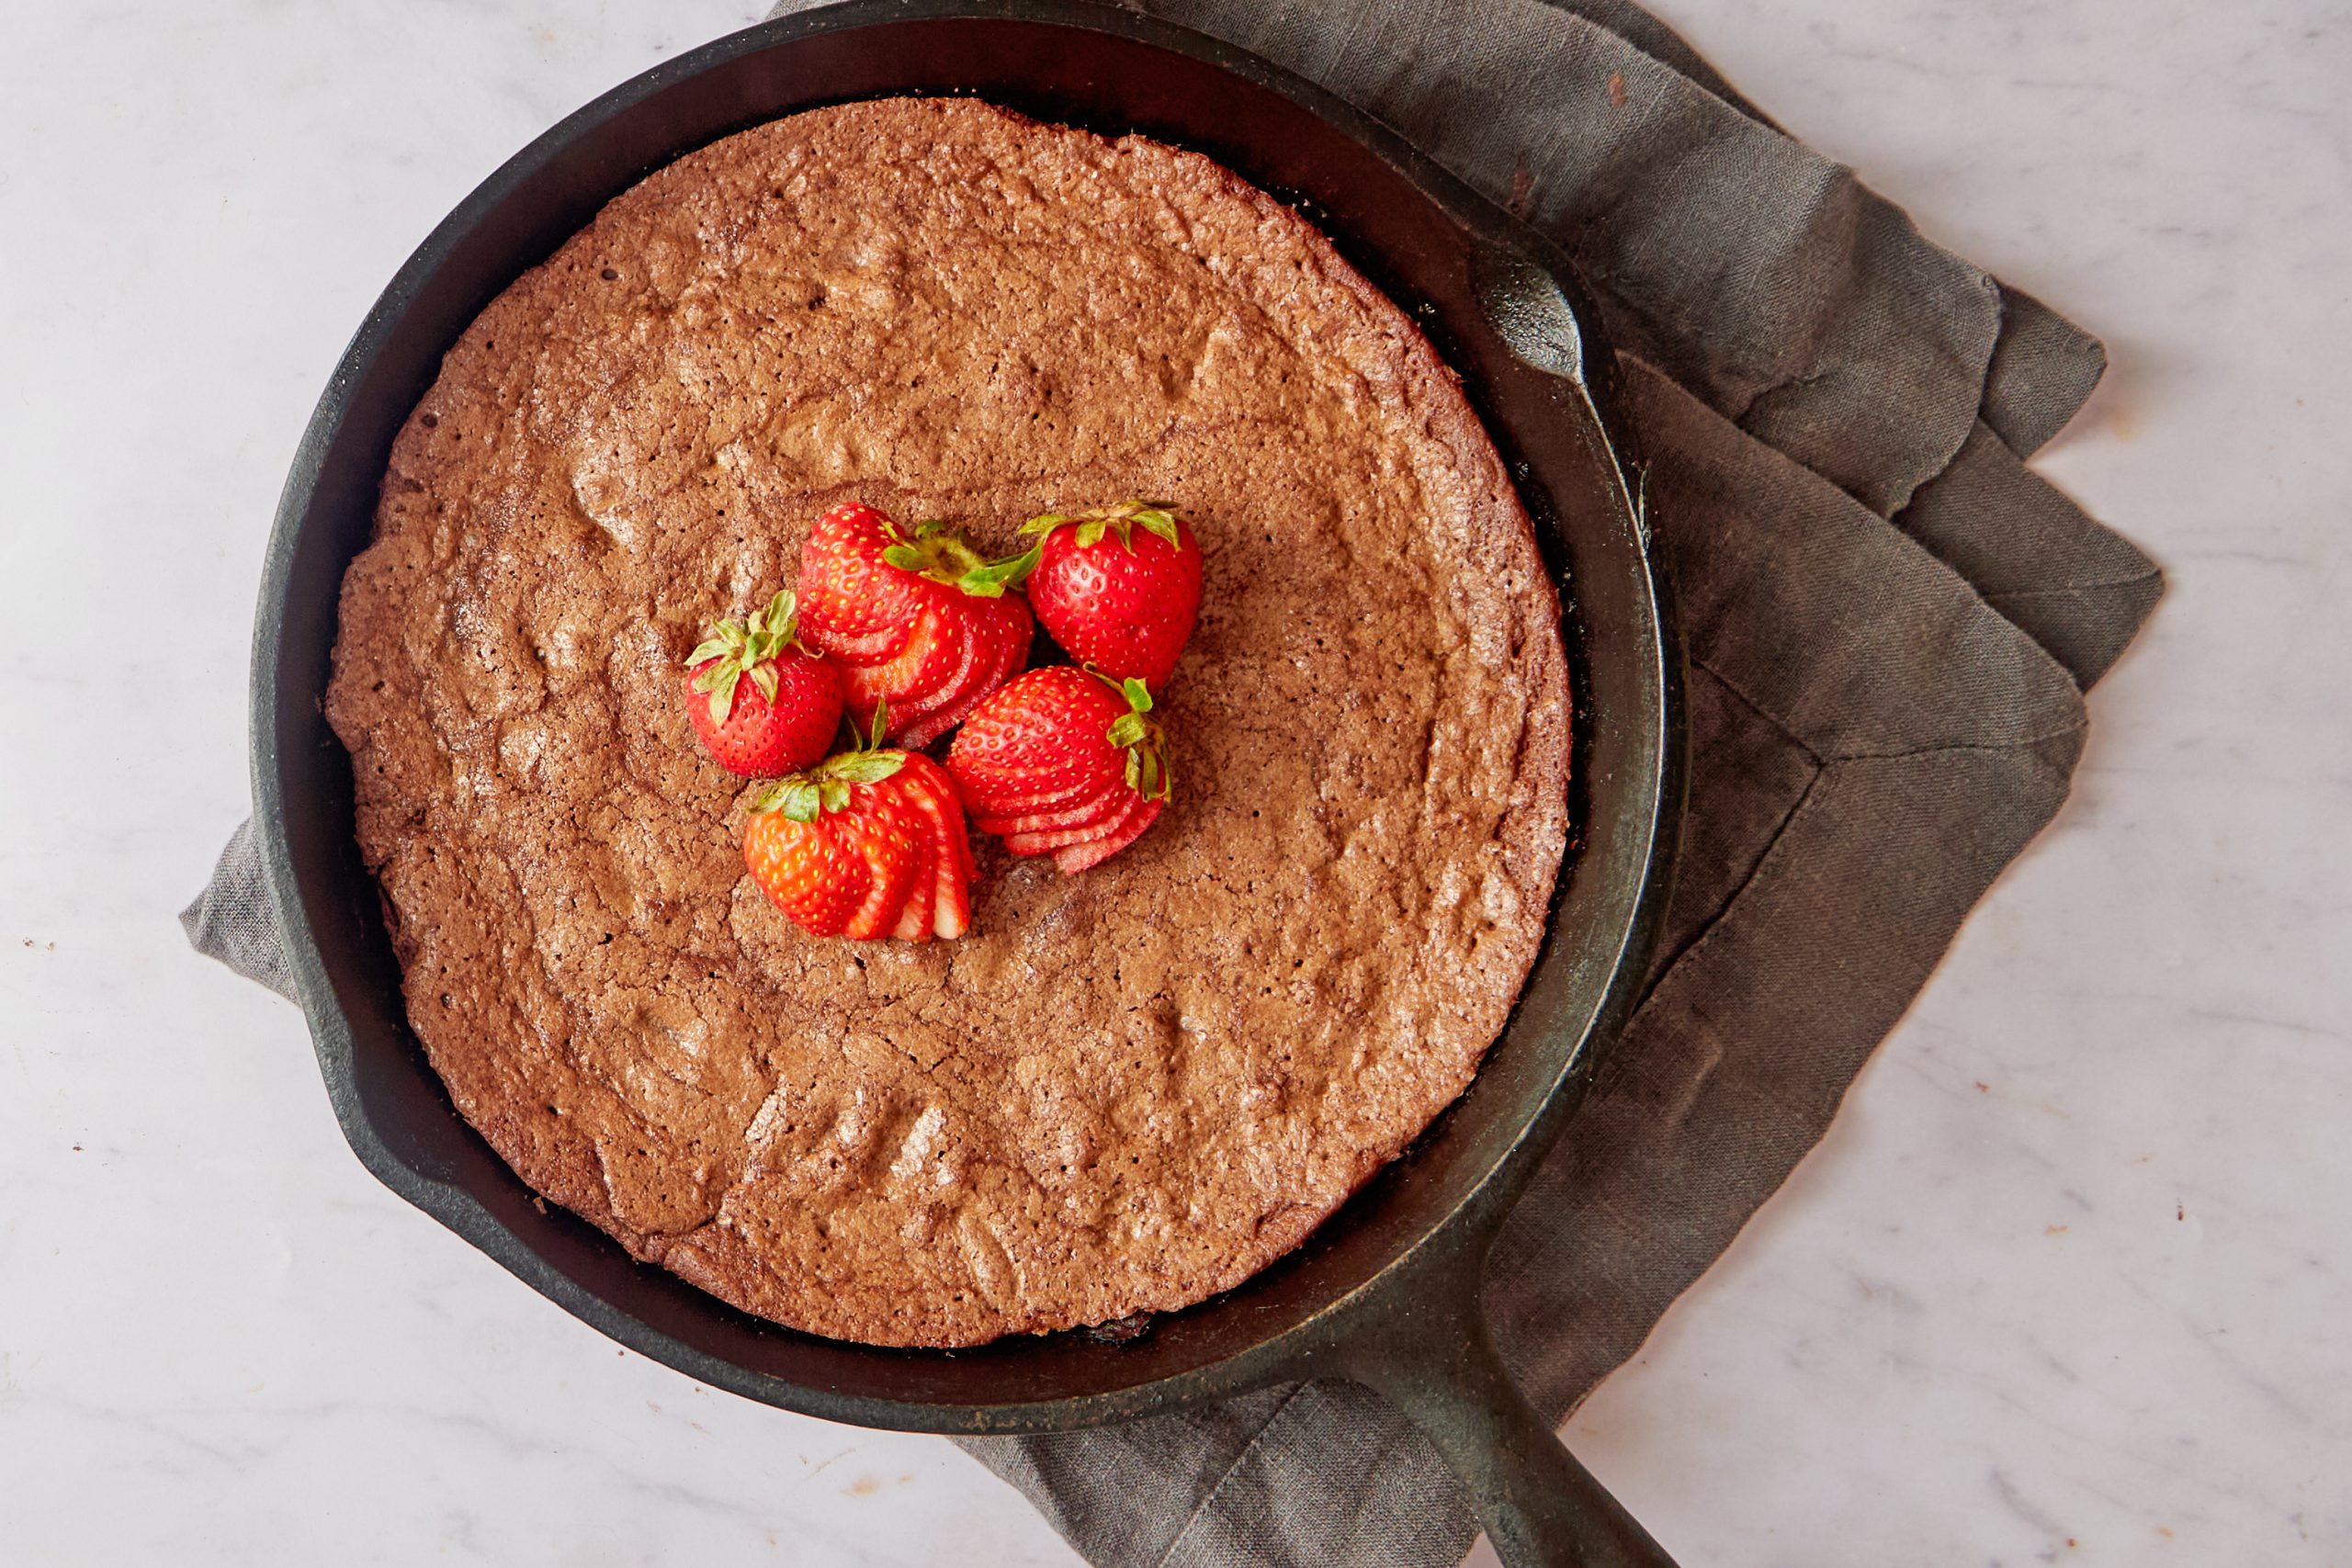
{"x":1045,"y":523}
{"x":906,"y":557}
{"x":796,"y":798}
{"x":865,"y":767}
{"x":989,"y":582}
{"x":781,"y":619}
{"x":733,"y":650}
{"x":832,"y":795}
{"x":1158,"y":518}
{"x":722,"y":695}
{"x":1147,"y":766}
{"x":1089,"y":533}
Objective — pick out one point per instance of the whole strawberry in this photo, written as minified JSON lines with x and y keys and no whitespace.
{"x":1118,"y":586}
{"x":868,"y":843}
{"x":922,"y":625}
{"x":1064,"y":763}
{"x":762,"y":705}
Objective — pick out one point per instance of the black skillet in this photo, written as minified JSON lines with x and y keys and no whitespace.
{"x":1386,"y":1292}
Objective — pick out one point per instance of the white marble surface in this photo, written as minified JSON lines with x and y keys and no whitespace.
{"x":2067,"y":1283}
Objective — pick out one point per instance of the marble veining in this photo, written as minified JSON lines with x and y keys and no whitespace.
{"x":2064,"y":1284}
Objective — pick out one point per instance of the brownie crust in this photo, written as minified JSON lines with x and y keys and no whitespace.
{"x":1124,"y":1090}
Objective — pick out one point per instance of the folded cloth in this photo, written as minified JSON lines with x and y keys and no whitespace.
{"x":1889,"y":622}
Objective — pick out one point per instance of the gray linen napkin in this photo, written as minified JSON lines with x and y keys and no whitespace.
{"x":1890,"y":620}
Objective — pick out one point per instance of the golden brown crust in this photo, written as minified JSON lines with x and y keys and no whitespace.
{"x":1124,"y":1090}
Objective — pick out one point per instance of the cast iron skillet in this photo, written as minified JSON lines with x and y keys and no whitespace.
{"x":1386,"y":1292}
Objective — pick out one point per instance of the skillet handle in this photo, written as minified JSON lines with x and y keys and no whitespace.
{"x":1541,"y":1509}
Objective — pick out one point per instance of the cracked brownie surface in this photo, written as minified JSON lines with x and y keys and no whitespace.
{"x":1123,"y":1090}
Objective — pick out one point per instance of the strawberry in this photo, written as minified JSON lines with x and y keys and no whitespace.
{"x":867,"y":844}
{"x":1118,"y":586}
{"x":780,"y":719}
{"x":924,"y":626}
{"x":1063,"y":762}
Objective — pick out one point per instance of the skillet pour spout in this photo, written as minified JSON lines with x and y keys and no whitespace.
{"x":1385,"y":1292}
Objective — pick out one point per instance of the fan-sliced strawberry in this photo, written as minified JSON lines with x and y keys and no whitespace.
{"x":919,"y":619}
{"x":1076,"y":858}
{"x":1062,"y":747}
{"x":849,"y":848}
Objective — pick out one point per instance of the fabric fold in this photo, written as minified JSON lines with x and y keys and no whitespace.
{"x":2078,"y":589}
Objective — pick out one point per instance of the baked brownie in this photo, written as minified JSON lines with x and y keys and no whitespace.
{"x":1125,"y":1089}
